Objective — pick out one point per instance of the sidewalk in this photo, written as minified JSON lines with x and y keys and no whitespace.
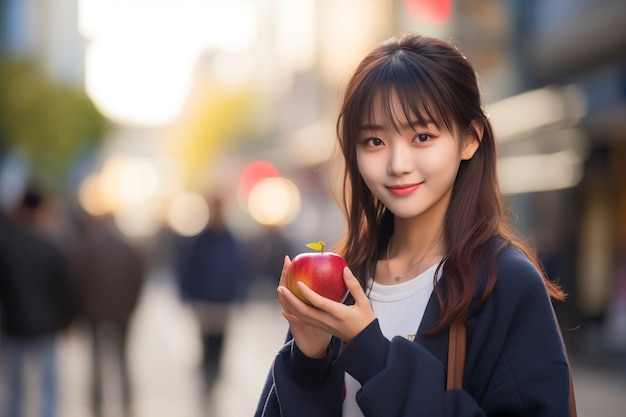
{"x":599,"y":392}
{"x":165,"y":351}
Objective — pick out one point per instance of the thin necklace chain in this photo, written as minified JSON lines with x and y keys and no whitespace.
{"x":397,"y":278}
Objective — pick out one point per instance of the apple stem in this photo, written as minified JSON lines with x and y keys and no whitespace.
{"x":322,"y":244}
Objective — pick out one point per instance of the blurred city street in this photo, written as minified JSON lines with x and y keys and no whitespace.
{"x":174,"y":131}
{"x":165,"y":352}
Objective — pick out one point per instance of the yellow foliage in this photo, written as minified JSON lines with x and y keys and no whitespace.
{"x":221,"y":121}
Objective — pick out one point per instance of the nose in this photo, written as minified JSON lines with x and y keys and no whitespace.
{"x":400,"y":162}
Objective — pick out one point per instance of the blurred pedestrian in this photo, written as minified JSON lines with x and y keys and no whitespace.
{"x":265,"y":254}
{"x":36,"y":305}
{"x":211,"y":273}
{"x":110,"y":275}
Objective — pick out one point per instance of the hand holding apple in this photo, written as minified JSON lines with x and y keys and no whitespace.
{"x":320,"y":271}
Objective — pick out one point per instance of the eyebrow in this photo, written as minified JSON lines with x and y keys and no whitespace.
{"x":410,"y":124}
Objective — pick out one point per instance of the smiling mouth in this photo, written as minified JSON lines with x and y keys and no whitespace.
{"x":402,"y":190}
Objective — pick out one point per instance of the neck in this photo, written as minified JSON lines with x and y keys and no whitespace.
{"x":415,"y":236}
{"x":414,"y":247}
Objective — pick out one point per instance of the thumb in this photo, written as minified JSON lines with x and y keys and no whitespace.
{"x":354,"y":286}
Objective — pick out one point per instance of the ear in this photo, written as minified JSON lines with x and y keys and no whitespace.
{"x":471,"y":141}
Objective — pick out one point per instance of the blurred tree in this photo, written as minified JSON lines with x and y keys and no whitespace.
{"x":214,"y":121}
{"x":50,"y":124}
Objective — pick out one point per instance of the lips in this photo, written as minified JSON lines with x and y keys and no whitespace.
{"x":402,"y":190}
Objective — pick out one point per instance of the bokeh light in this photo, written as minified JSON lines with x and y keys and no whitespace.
{"x":139,"y":180}
{"x":253,"y":173}
{"x":92,"y":198}
{"x":188,"y":214}
{"x":430,"y":11}
{"x":139,"y":73}
{"x":274,"y":201}
{"x":137,"y":221}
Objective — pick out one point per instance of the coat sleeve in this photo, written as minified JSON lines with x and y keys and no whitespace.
{"x":515,"y":364}
{"x":299,"y":386}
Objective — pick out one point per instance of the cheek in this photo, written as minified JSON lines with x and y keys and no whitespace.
{"x":370,"y":171}
{"x":441,"y":165}
{"x":365,"y":166}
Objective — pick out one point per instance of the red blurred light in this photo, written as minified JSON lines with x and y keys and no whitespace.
{"x":254,"y":172}
{"x":429,"y":11}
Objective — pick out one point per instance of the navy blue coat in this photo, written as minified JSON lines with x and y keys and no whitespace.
{"x":515,"y":364}
{"x":37,"y":298}
{"x":211,"y":268}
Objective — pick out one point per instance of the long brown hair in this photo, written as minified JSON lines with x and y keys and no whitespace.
{"x":435,"y":82}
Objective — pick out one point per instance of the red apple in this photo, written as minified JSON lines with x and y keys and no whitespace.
{"x":320,"y":271}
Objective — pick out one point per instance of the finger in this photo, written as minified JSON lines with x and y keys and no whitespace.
{"x":283,"y":297}
{"x":354,"y":286}
{"x":283,"y":274}
{"x":312,"y":297}
{"x":290,"y":303}
{"x":291,"y":318}
{"x":297,"y":311}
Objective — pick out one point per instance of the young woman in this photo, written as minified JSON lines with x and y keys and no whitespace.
{"x":428,"y":246}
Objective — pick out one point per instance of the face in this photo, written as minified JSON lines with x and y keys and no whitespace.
{"x":410,"y":168}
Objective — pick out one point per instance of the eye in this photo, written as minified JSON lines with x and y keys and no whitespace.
{"x":422,"y":137}
{"x":373,"y":142}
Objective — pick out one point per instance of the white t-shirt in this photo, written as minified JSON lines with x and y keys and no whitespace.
{"x":399,"y":309}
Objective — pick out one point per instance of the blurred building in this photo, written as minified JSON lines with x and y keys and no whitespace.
{"x":579,"y":49}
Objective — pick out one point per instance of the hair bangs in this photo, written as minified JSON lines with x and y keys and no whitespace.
{"x":420,"y":100}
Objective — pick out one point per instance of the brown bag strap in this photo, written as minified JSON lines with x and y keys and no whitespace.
{"x":456,"y":355}
{"x":456,"y":361}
